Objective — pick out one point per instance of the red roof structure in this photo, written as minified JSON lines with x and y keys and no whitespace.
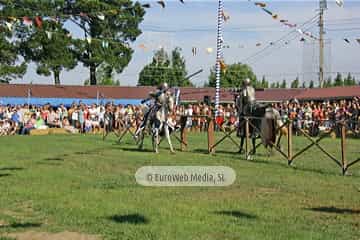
{"x":188,"y":94}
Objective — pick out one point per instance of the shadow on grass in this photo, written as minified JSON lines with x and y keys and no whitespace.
{"x":129,"y":218}
{"x":5,"y":175}
{"x":11,"y":169}
{"x":50,"y":163}
{"x":136,"y":150}
{"x":54,"y":159}
{"x":22,"y":225}
{"x":236,"y":214}
{"x":335,"y":210}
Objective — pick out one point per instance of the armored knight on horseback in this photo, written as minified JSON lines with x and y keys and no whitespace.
{"x":157,"y":115}
{"x":246,"y":101}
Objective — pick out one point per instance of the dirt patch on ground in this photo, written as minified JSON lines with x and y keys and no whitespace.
{"x":2,"y":223}
{"x":31,"y":235}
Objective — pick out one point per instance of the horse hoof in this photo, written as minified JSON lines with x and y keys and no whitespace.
{"x":172,"y":152}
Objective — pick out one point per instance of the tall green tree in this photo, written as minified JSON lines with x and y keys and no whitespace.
{"x":349,"y":80}
{"x":109,"y":26}
{"x":165,"y":68}
{"x":9,"y":58}
{"x":303,"y":85}
{"x":295,"y":83}
{"x":233,"y":76}
{"x":264,"y":83}
{"x":311,"y":84}
{"x":328,"y":82}
{"x":50,"y":48}
{"x":104,"y":76}
{"x":338,"y":80}
{"x":283,"y":84}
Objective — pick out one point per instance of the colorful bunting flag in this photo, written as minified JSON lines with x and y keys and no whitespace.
{"x":194,"y":51}
{"x":38,"y":22}
{"x":9,"y":25}
{"x":101,"y":17}
{"x":209,"y":50}
{"x":225,"y":16}
{"x":222,"y":65}
{"x":27,"y":21}
{"x":340,"y":3}
{"x":146,"y":5}
{"x":267,"y":11}
{"x":260,"y":4}
{"x":105,"y":44}
{"x":161,"y":3}
{"x":49,"y":35}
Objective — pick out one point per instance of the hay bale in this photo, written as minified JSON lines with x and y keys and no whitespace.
{"x":39,"y":132}
{"x":58,"y":131}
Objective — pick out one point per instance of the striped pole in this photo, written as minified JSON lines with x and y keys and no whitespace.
{"x":218,"y":56}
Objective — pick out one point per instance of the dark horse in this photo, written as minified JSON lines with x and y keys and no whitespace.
{"x":263,"y":122}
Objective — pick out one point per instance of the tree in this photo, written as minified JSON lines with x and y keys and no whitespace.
{"x":283,"y":84}
{"x":328,"y":83}
{"x":349,"y":80}
{"x":264,"y":83}
{"x":108,"y":33}
{"x":50,"y":48}
{"x":233,"y":76}
{"x":9,"y":67}
{"x":303,"y":85}
{"x":104,"y":76}
{"x":295,"y":83}
{"x":338,"y":80}
{"x":165,"y":69}
{"x":311,"y":84}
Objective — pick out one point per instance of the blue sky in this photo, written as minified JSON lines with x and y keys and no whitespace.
{"x":194,"y":25}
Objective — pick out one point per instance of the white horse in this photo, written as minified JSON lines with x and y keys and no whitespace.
{"x":159,"y":122}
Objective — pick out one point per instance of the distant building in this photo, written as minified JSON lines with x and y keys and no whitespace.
{"x":55,"y":95}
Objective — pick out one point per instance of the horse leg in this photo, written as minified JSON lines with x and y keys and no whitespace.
{"x":253,"y":141}
{"x":241,"y":145}
{"x":141,"y":140}
{"x":167,"y":135}
{"x":155,"y":139}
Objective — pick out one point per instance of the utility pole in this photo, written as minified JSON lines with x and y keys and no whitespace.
{"x":323,"y":6}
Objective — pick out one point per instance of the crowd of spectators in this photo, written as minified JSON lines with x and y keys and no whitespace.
{"x":311,"y":116}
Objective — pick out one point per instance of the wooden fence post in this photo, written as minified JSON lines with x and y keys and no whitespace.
{"x":247,"y":138}
{"x":343,"y":144}
{"x":210,"y":135}
{"x":183,"y":133}
{"x":289,"y":142}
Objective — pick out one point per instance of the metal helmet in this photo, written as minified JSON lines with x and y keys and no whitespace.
{"x":247,"y":81}
{"x":163,"y":86}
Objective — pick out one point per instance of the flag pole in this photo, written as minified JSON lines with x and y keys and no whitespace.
{"x":218,"y":56}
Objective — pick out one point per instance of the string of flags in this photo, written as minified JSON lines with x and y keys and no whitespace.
{"x":162,"y":3}
{"x":284,"y":22}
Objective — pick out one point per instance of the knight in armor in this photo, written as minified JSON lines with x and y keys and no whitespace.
{"x":246,"y":100}
{"x":157,"y":99}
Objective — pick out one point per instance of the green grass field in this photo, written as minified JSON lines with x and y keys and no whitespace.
{"x":83,"y":184}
